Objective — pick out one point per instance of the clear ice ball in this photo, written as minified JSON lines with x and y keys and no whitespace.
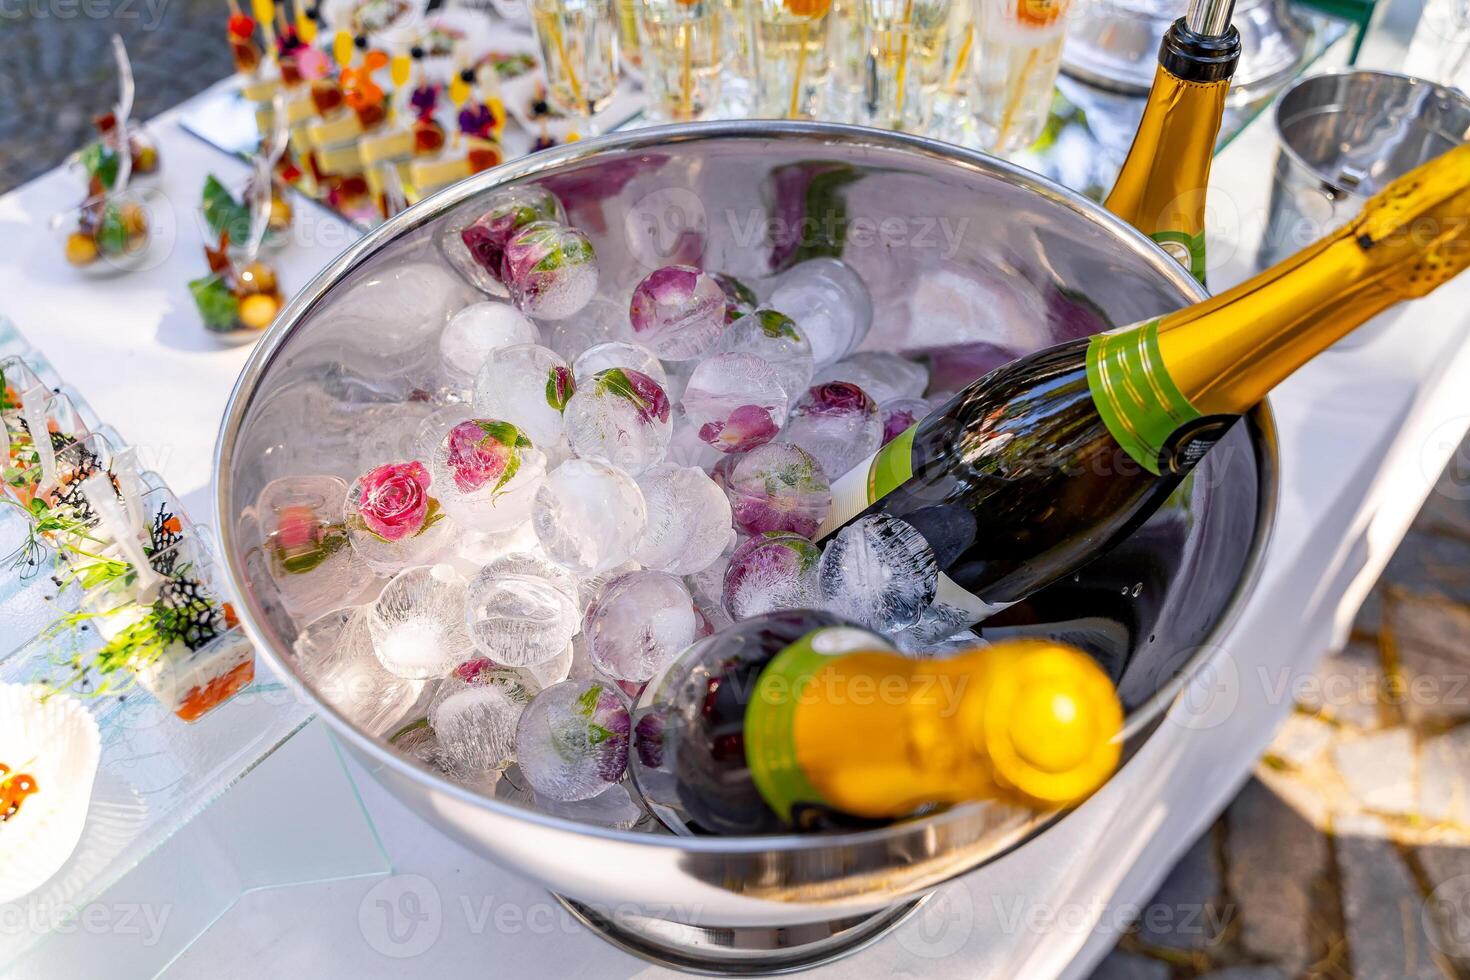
{"x":838,"y":424}
{"x":474,"y":714}
{"x":688,"y":523}
{"x":778,"y":487}
{"x":678,"y":311}
{"x":776,"y":339}
{"x":528,"y":386}
{"x":640,"y":624}
{"x":550,"y":270}
{"x":572,"y":740}
{"x":735,"y":402}
{"x":620,"y":416}
{"x":588,"y":516}
{"x":477,"y":331}
{"x":417,"y":623}
{"x":829,"y":302}
{"x":880,"y":572}
{"x":519,"y":620}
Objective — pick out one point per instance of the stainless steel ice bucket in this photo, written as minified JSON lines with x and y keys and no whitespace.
{"x":969,"y":258}
{"x":1345,"y":135}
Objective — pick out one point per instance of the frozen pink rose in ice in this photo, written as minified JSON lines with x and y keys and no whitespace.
{"x":507,"y":211}
{"x":646,"y":394}
{"x":745,"y":428}
{"x":678,"y":311}
{"x":481,"y":450}
{"x":393,"y":500}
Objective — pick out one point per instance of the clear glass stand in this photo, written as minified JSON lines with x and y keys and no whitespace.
{"x":294,"y":820}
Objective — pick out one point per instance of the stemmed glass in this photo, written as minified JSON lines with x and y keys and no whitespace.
{"x":579,"y":52}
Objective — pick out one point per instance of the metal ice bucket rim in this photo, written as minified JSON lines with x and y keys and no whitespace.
{"x":1139,"y":721}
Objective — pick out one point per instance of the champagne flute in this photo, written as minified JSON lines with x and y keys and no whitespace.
{"x":579,"y":53}
{"x":681,"y":42}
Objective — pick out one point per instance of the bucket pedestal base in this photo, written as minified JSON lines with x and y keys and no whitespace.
{"x":739,"y":950}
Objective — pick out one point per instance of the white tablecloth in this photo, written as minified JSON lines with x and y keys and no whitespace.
{"x":1363,"y":434}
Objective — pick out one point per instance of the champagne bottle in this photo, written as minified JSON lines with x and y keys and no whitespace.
{"x":1047,"y":461}
{"x":1161,"y":188}
{"x":796,"y":719}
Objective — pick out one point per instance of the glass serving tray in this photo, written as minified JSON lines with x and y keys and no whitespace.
{"x":156,"y":771}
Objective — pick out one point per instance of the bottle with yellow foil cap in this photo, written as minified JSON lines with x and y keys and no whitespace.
{"x":1048,"y":461}
{"x":797,"y":720}
{"x":1161,"y":188}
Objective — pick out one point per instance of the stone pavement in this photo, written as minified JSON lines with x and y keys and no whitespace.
{"x":1348,"y":854}
{"x":56,"y":69}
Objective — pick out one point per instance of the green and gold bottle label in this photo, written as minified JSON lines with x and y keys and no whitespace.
{"x":1138,"y":401}
{"x":871,"y":480}
{"x":1186,"y":249}
{"x":770,"y":717}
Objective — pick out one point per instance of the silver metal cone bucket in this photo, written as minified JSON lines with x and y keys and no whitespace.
{"x":970,"y":261}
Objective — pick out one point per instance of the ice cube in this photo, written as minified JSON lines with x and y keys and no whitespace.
{"x":708,"y":585}
{"x":393,"y":520}
{"x":477,"y":331}
{"x":550,"y":270}
{"x":334,"y":654}
{"x":474,"y":714}
{"x":678,"y":311}
{"x":771,"y":572}
{"x":688,"y":520}
{"x":735,"y":402}
{"x":882,"y":375}
{"x":555,"y":670}
{"x":310,"y":558}
{"x":838,"y":424}
{"x":740,"y":299}
{"x":620,"y":416}
{"x":777,"y":339}
{"x":572,"y":740}
{"x":618,"y":354}
{"x":900,"y":414}
{"x":417,"y":623}
{"x":477,"y":248}
{"x":591,"y":587}
{"x":526,"y":385}
{"x":535,"y":564}
{"x":829,"y":303}
{"x":640,"y":624}
{"x":486,"y":473}
{"x":588,"y":516}
{"x":600,"y":321}
{"x":519,"y":620}
{"x":435,"y":426}
{"x":779,"y":487}
{"x":880,"y":572}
